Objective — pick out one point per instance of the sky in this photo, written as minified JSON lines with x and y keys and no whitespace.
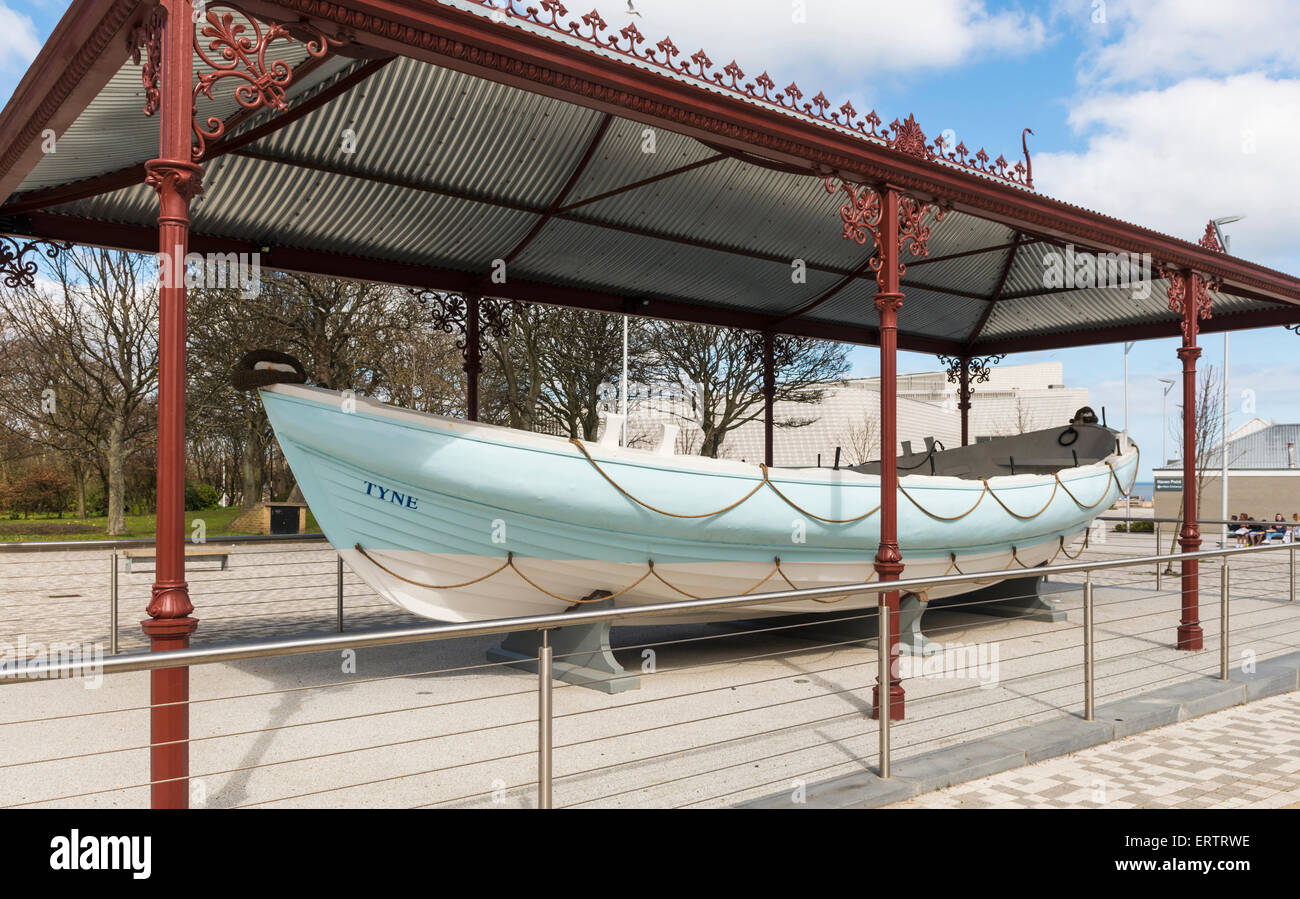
{"x":1166,"y":113}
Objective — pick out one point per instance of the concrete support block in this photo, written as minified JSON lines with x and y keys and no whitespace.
{"x":582,"y":655}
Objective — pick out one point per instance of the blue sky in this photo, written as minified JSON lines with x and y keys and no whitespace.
{"x":1161,"y":112}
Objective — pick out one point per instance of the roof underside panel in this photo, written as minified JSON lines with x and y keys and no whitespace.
{"x":113,"y":133}
{"x":734,"y":204}
{"x":924,"y":313}
{"x":582,"y":255}
{"x":432,"y":127}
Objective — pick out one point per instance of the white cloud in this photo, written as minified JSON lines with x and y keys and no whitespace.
{"x":855,"y":39}
{"x":1148,"y":40}
{"x":1173,"y":158}
{"x":18,"y":41}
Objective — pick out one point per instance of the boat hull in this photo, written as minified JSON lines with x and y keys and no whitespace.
{"x":458,"y":521}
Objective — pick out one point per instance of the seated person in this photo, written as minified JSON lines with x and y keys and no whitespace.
{"x":1257,"y":533}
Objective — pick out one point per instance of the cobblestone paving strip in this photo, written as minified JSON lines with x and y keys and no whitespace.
{"x":1244,"y":757}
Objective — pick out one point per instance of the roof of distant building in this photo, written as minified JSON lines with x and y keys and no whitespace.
{"x":1260,"y":447}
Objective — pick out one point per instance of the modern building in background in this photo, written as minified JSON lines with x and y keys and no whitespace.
{"x":1263,"y":475}
{"x":1015,"y":399}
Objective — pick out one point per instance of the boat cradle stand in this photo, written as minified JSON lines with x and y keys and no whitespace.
{"x":1028,"y":599}
{"x":582,"y":654}
{"x":1024,"y":598}
{"x":861,"y":626}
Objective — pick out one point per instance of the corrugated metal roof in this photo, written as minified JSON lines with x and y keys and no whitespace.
{"x":113,"y":133}
{"x":454,"y":171}
{"x":1263,"y":449}
{"x":588,"y":256}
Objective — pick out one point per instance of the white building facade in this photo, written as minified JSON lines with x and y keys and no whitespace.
{"x":1015,"y":399}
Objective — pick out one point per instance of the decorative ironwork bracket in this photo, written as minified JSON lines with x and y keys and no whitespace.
{"x":145,"y":42}
{"x":785,"y":348}
{"x":1201,"y":287}
{"x":861,"y":216}
{"x":239,"y":51}
{"x":449,"y":313}
{"x":232,"y":48}
{"x":978,"y":368}
{"x":18,"y":271}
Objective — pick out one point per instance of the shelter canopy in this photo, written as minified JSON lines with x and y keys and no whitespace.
{"x":431,"y":145}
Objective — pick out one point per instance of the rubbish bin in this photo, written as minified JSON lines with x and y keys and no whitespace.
{"x":284,"y":517}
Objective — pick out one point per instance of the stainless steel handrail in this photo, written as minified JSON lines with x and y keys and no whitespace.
{"x":1238,"y":521}
{"x":39,"y":546}
{"x":149,"y":661}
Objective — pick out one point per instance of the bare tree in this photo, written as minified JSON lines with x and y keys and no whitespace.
{"x":91,"y":337}
{"x":583,"y":357}
{"x":1208,"y":434}
{"x":861,"y":440}
{"x":348,"y":335}
{"x":1021,"y":419}
{"x":720,"y":369}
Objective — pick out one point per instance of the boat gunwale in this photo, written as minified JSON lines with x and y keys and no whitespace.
{"x":515,"y":438}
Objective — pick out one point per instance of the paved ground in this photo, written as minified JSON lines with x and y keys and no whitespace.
{"x":1244,"y":757}
{"x":728,"y":715}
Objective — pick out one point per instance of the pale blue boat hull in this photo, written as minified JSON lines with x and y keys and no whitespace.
{"x":434,"y":502}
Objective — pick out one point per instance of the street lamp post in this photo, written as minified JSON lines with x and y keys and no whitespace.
{"x":1225,"y":241}
{"x":1164,"y":427}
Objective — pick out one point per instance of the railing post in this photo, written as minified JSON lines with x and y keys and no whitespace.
{"x":544,"y":722}
{"x":339,"y":559}
{"x":1223,"y":620}
{"x":1291,"y":572}
{"x":1159,"y":573}
{"x":112,"y":607}
{"x":1089,"y":660}
{"x":882,"y":664}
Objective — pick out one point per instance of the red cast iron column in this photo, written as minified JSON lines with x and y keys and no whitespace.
{"x":963,"y":398}
{"x":769,"y":393}
{"x":473,"y":357}
{"x":1190,"y":636}
{"x":889,"y":561}
{"x":177,"y":180}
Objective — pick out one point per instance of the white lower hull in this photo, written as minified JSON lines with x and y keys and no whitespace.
{"x":507,"y":594}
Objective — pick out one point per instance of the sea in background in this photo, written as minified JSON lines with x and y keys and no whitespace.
{"x":1144,"y":489}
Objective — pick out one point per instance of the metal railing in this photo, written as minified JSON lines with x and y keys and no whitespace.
{"x":45,"y":546}
{"x":299,"y":645}
{"x":268,"y":554}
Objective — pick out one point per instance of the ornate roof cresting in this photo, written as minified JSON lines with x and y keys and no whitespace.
{"x":904,"y":136}
{"x":1210,"y":240}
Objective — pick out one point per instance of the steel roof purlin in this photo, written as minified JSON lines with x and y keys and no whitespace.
{"x":514,"y":136}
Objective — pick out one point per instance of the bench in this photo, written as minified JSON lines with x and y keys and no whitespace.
{"x":192,"y":551}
